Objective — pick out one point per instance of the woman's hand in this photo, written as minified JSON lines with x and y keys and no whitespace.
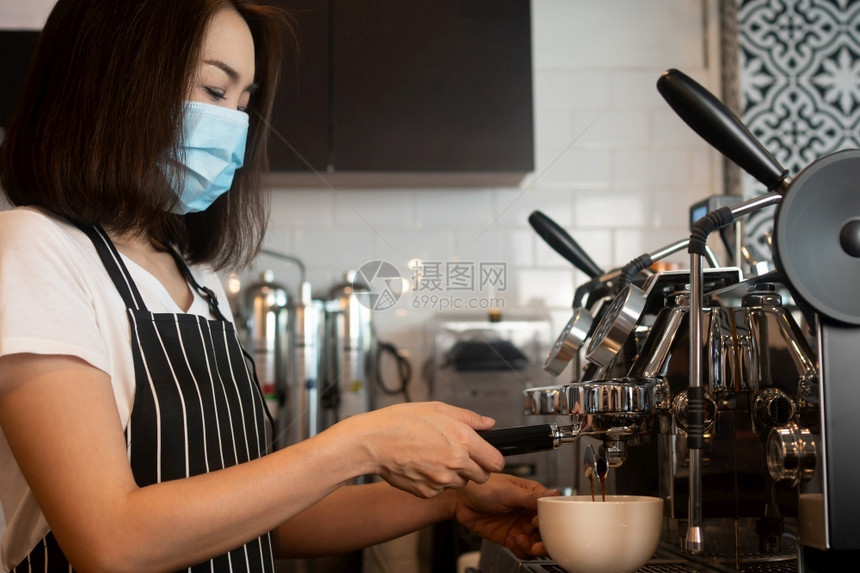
{"x":424,"y":448}
{"x":504,"y":510}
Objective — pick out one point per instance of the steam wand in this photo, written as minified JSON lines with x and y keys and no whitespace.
{"x":694,"y":541}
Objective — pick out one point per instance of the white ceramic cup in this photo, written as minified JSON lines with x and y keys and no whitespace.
{"x":618,"y":535}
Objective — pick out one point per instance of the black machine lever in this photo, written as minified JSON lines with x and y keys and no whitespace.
{"x":563,"y":243}
{"x":717,"y":125}
{"x":523,"y":439}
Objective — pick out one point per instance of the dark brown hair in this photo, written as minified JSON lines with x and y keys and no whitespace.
{"x":102,"y":106}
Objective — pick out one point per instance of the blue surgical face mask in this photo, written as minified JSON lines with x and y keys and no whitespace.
{"x":212,"y":149}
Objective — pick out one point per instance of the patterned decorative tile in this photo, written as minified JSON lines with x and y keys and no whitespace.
{"x":800,"y":76}
{"x":793,"y":71}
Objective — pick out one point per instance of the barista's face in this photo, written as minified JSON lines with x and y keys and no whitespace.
{"x":226,"y":73}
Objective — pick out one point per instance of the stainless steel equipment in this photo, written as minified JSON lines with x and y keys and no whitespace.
{"x":267,"y":326}
{"x":285,"y":333}
{"x":302,"y":404}
{"x":349,"y":352}
{"x":314,"y":358}
{"x":732,"y":397}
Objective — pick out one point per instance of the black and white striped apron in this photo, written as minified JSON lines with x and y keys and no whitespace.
{"x":197,"y":406}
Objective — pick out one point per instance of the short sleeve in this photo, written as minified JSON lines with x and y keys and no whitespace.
{"x":46,"y":304}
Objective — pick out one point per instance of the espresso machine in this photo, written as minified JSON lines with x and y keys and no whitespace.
{"x":726,"y":391}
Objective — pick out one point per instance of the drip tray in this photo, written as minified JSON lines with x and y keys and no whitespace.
{"x":497,"y":559}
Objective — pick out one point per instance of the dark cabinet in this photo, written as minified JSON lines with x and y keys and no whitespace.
{"x":300,"y":136}
{"x":403,"y":86}
{"x":388,"y":87}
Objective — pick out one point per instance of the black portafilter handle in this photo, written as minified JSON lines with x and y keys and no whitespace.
{"x":717,"y":125}
{"x":523,"y":439}
{"x":563,"y":243}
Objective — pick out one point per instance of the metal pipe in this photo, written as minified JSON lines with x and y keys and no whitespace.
{"x":669,"y":249}
{"x":694,"y":541}
{"x":304,"y":286}
{"x":712,"y":257}
{"x":756,"y":203}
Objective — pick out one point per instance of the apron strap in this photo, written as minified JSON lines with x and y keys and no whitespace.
{"x":114,"y":265}
{"x":206,"y":292}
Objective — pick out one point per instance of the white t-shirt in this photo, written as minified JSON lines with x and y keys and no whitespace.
{"x":56,"y":298}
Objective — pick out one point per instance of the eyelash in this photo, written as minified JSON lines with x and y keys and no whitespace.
{"x":214,"y":93}
{"x":218,"y":95}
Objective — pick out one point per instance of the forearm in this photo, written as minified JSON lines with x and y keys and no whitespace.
{"x":359,"y":516}
{"x":193,"y":519}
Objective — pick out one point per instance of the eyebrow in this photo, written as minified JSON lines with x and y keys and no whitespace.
{"x":232,"y":73}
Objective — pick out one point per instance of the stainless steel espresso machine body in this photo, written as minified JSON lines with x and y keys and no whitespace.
{"x":732,"y":395}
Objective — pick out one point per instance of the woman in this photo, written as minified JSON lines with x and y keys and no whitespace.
{"x":133,"y":434}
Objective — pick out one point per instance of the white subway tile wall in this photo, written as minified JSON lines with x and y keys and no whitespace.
{"x":16,"y":15}
{"x":614,"y":166}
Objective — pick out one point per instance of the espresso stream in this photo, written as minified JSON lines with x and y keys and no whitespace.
{"x":596,"y":465}
{"x":602,"y":478}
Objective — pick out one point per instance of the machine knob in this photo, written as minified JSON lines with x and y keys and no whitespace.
{"x":791,"y":454}
{"x":849,"y":238}
{"x":773,"y":408}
